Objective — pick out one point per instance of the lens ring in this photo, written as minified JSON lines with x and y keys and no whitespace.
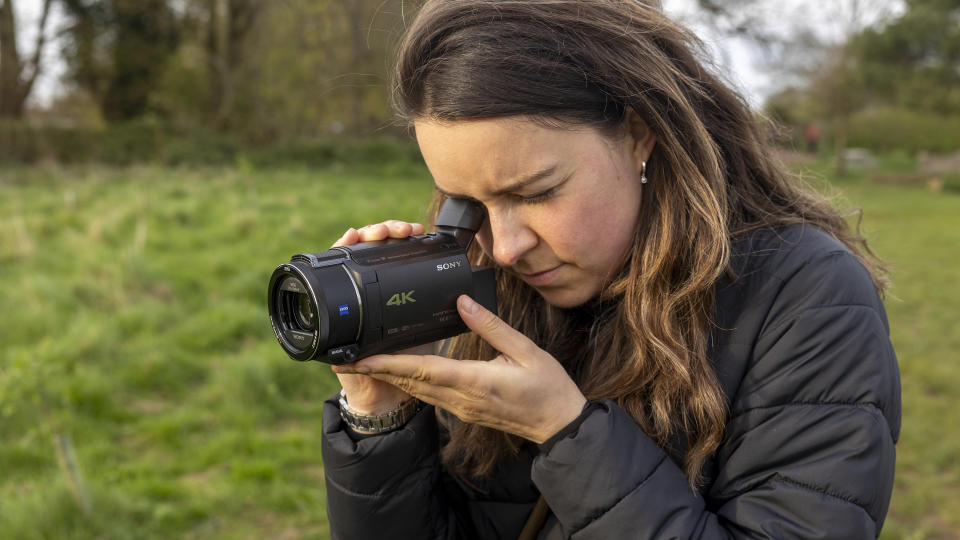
{"x":289,"y":284}
{"x":299,"y":325}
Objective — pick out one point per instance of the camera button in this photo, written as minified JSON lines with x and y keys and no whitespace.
{"x":343,"y":355}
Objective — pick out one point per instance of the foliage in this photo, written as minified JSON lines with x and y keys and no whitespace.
{"x":135,"y":327}
{"x":885,"y":129}
{"x":890,"y":86}
{"x":262,"y":71}
{"x":913,"y":62}
{"x":882,"y":129}
{"x":118,"y":50}
{"x":149,"y":141}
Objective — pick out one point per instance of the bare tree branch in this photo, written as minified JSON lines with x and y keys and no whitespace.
{"x":35,"y":65}
{"x":16,"y":75}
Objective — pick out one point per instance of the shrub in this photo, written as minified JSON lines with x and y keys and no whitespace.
{"x":146,"y":141}
{"x":898,"y":129}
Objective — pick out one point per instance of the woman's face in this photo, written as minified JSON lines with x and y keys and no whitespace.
{"x":562,"y":204}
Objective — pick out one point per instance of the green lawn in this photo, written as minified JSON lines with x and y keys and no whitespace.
{"x":142,"y":394}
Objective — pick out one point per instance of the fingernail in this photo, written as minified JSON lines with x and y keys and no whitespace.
{"x":468,"y":304}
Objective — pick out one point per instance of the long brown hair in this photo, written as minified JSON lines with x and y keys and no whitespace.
{"x":644,"y":342}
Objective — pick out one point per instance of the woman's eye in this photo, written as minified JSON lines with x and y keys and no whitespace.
{"x":539,"y":197}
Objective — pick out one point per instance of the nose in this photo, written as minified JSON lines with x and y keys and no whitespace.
{"x":507,"y":237}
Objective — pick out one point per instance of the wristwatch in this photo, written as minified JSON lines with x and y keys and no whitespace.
{"x":381,"y":423}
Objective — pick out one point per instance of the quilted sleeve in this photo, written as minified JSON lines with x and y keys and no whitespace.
{"x":393,"y":486}
{"x":387,"y":482}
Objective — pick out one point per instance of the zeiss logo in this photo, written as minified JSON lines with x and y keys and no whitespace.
{"x":344,"y":309}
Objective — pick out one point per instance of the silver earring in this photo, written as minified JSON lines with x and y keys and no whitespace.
{"x":643,"y":172}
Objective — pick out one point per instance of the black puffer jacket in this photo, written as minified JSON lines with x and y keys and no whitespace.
{"x":803,"y":355}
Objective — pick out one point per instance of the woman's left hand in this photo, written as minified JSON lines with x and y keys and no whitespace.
{"x":523,"y":391}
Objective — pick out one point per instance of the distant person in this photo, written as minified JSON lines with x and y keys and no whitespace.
{"x":690,"y":344}
{"x":812,"y":136}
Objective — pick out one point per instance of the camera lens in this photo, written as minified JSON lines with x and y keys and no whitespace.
{"x":313,"y":309}
{"x":304,"y":313}
{"x":295,"y":307}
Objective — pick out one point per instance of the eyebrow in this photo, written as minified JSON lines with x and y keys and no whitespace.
{"x":513,"y":187}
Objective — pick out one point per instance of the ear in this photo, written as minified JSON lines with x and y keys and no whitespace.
{"x":642,"y":139}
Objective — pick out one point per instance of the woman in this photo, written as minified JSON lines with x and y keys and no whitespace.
{"x":690,"y":345}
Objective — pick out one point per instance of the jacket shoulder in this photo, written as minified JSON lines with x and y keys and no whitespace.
{"x":806,"y":302}
{"x":780,"y":253}
{"x":811,"y":375}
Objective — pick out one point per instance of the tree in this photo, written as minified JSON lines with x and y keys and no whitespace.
{"x":230,"y":25}
{"x":815,"y":53}
{"x":316,"y":67}
{"x":742,"y":18}
{"x":17,"y":75}
{"x":913,"y":62}
{"x":118,"y":51}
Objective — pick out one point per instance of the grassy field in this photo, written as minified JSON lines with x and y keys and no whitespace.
{"x":142,"y":394}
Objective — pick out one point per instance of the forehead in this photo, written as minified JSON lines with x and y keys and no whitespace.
{"x":476,"y":157}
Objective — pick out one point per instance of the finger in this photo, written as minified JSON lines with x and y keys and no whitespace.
{"x":434,"y":370}
{"x":417,"y":228}
{"x":348,"y":238}
{"x":372,"y":233}
{"x":398,"y":229}
{"x":438,"y":380}
{"x":497,"y":333}
{"x":442,"y":396}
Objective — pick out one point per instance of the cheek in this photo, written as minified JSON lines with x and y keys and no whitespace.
{"x":598,"y":231}
{"x":484,"y":238}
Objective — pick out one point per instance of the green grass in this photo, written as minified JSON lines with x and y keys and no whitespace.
{"x":133,"y":321}
{"x":134,"y":332}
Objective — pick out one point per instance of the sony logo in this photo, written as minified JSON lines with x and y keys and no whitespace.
{"x":448,"y":266}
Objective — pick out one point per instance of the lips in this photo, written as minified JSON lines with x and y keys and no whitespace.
{"x":542,"y":278}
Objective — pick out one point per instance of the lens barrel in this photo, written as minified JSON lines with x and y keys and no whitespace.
{"x":303,"y":300}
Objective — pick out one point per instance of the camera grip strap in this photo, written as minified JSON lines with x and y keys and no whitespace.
{"x":536,"y":520}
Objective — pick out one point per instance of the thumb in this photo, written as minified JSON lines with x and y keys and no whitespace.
{"x":494,"y":331}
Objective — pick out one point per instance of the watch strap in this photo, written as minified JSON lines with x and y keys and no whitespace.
{"x":381,"y":423}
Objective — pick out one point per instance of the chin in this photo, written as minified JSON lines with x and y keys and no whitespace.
{"x":566,"y":298}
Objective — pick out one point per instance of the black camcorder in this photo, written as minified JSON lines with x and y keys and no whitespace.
{"x":350,"y":302}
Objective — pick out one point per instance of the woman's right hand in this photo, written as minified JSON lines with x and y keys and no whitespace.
{"x":366,"y":395}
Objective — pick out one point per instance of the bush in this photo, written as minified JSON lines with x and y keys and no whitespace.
{"x":121,"y":144}
{"x":139,"y":141}
{"x":897,"y":129}
{"x":148,"y":142}
{"x":201,"y":148}
{"x":18,"y":143}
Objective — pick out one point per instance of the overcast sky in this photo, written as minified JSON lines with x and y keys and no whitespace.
{"x":743,"y":63}
{"x":737,"y":58}
{"x":740,"y":60}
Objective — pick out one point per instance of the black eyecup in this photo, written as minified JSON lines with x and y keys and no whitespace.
{"x":460,"y":214}
{"x":460,"y":218}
